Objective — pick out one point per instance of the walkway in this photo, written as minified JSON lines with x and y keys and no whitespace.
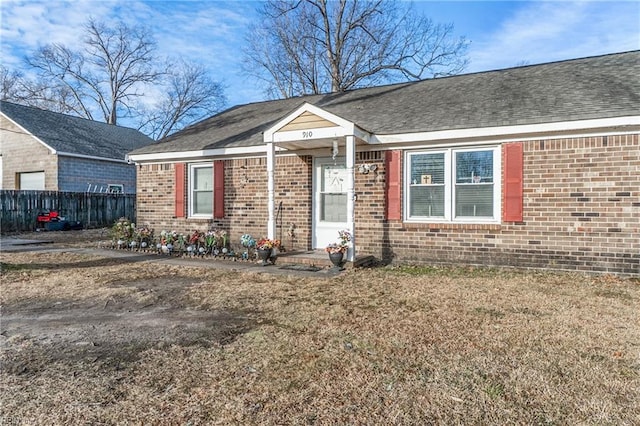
{"x":309,"y":264}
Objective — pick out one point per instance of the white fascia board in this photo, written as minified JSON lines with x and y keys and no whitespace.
{"x":239,"y":151}
{"x":494,"y":134}
{"x":510,"y":131}
{"x":362,"y":135}
{"x":348,"y":126}
{"x":90,"y":157}
{"x":50,"y":148}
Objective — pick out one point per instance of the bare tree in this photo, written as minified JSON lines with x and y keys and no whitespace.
{"x":19,"y":89}
{"x":10,"y":82}
{"x":108,"y":74}
{"x":118,"y":75}
{"x":190,"y":96}
{"x":312,"y":46}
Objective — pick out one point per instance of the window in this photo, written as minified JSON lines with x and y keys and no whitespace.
{"x":460,"y":185}
{"x":201,"y":190}
{"x":333,"y":193}
{"x":426,"y":197}
{"x":114,"y":188}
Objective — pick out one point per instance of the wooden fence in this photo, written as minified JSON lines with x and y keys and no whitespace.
{"x":20,"y":208}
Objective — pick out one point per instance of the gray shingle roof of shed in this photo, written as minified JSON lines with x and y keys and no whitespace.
{"x":597,"y":87}
{"x":74,"y":135}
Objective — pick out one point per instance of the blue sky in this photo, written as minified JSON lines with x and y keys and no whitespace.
{"x":502,"y":33}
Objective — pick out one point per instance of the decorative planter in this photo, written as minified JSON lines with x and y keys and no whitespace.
{"x":266,"y":255}
{"x":336,"y":259}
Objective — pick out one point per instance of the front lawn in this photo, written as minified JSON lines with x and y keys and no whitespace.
{"x":372,"y":346}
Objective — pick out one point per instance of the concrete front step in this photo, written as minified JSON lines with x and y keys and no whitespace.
{"x":319,"y":258}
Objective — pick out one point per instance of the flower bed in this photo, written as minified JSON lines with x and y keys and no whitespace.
{"x":211,"y":244}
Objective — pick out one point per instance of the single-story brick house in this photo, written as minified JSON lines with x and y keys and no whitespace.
{"x":534,"y":166}
{"x":45,"y":150}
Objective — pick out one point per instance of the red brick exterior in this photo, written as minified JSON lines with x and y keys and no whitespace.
{"x":581,"y":201}
{"x":245,"y":209}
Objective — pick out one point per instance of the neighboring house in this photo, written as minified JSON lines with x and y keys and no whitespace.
{"x":44,"y":150}
{"x":535,"y":166}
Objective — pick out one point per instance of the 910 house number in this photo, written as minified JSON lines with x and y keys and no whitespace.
{"x":307,"y":135}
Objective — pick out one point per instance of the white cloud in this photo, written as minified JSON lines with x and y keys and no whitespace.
{"x":212,"y":32}
{"x":548,"y":31}
{"x":30,"y":24}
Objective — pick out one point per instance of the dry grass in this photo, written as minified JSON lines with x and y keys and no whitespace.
{"x":386,"y":346}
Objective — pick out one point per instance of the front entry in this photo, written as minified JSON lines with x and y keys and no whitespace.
{"x":329,"y":200}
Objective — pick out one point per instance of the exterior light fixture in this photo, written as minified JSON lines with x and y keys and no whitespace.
{"x":366,"y":168}
{"x":334,"y":150}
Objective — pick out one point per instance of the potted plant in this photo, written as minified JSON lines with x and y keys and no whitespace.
{"x":338,"y":249}
{"x":267,"y":250}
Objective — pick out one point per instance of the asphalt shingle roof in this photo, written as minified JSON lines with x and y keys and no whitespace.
{"x":597,"y":87}
{"x":74,"y":135}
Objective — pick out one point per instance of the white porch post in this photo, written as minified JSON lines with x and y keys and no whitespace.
{"x":351,"y":161}
{"x":271,"y":161}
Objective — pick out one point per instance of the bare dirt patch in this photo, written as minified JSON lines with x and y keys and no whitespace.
{"x":82,"y":237}
{"x":151,"y":314}
{"x":89,"y":340}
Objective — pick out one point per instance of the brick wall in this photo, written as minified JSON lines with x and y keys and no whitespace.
{"x":245,"y":199}
{"x":22,"y":153}
{"x":581,"y":209}
{"x":581,"y":212}
{"x":76,"y":174}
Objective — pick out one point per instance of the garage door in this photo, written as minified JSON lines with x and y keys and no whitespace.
{"x":32,"y":180}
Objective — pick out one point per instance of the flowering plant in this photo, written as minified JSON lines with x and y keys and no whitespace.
{"x":210,"y":240}
{"x":168,"y":237}
{"x":221,"y":238}
{"x":344,"y":239}
{"x":123,"y":230}
{"x":196,"y":242}
{"x":145,"y":236}
{"x":145,"y":233}
{"x":196,"y":238}
{"x":267,"y":244}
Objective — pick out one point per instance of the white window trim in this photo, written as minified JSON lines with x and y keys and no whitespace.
{"x":115,"y":188}
{"x":192,"y":168}
{"x":450,"y":185}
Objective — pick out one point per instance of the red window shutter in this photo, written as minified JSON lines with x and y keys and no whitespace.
{"x":218,"y":189}
{"x":179,"y":190}
{"x":513,"y":177}
{"x":393,"y":185}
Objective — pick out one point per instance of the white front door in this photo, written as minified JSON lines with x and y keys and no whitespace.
{"x":329,"y":200}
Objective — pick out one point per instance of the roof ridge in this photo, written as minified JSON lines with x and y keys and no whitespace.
{"x":400,"y":83}
{"x":75,"y":117}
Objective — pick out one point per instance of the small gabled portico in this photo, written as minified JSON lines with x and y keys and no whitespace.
{"x":312,"y":128}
